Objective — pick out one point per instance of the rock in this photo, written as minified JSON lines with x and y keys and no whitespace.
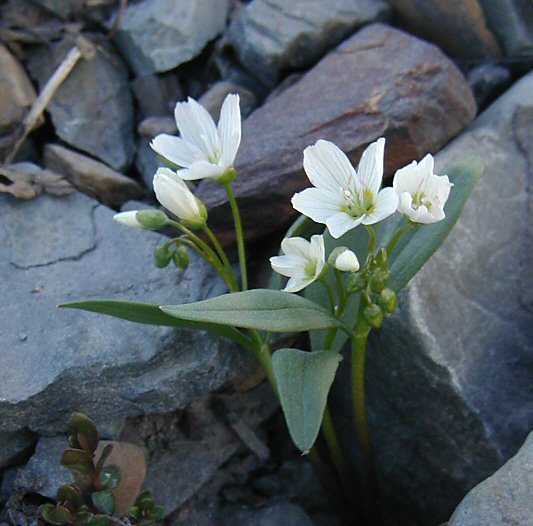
{"x":15,"y":446}
{"x":457,"y":26}
{"x":147,"y":162}
{"x":449,"y":375}
{"x":416,"y":98}
{"x":212,"y":100}
{"x":63,"y":9}
{"x":280,"y":514}
{"x":56,"y":250}
{"x":504,"y":499}
{"x":488,"y":81}
{"x":512,"y":22}
{"x":43,"y":473}
{"x":271,"y":37}
{"x":152,"y":126}
{"x":93,"y":108}
{"x":16,"y":92}
{"x":90,"y":176}
{"x":157,"y":95}
{"x":158,"y":35}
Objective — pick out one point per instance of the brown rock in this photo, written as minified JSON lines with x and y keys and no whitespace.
{"x":213,"y":98}
{"x":380,"y":82}
{"x":457,"y":26}
{"x":16,"y":92}
{"x":90,"y":176}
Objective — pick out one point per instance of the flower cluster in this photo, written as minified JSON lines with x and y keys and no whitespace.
{"x":343,"y":198}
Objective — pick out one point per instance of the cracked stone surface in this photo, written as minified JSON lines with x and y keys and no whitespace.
{"x":449,"y":376}
{"x":57,"y":250}
{"x":392,"y":85}
{"x":504,"y":499}
{"x":93,"y":108}
{"x":158,"y":35}
{"x":274,"y":36}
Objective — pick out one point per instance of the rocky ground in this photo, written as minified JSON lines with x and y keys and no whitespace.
{"x":449,"y":377}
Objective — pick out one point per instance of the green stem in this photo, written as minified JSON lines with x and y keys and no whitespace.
{"x":334,"y":447}
{"x":331,"y":297}
{"x":373,"y":239}
{"x":340,"y":286}
{"x":223,"y":257}
{"x":359,"y":341}
{"x":239,"y":235}
{"x":393,"y":242}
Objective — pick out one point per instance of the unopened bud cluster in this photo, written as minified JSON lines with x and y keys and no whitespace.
{"x":178,"y":254}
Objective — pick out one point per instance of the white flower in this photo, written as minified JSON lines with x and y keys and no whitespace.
{"x":343,"y":198}
{"x":343,"y":259}
{"x":128,"y":219}
{"x":176,"y":197}
{"x":203,"y":150}
{"x":422,"y":194}
{"x":303,"y":261}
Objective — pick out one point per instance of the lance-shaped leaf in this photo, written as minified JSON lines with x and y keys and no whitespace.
{"x":266,"y":310}
{"x":304,"y":380}
{"x":151,"y":314}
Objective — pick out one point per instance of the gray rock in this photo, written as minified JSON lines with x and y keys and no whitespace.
{"x":147,"y":162}
{"x":417,"y":99}
{"x":56,"y":250}
{"x":157,"y":95}
{"x":449,"y":376}
{"x":158,"y":35}
{"x":43,"y":473}
{"x":64,"y":9}
{"x":281,"y":514}
{"x":488,"y":81}
{"x":152,"y":126}
{"x":15,"y":446}
{"x":457,"y":26}
{"x":504,"y":499}
{"x":273,"y":36}
{"x":512,"y":22}
{"x":213,"y":98}
{"x":90,"y":176}
{"x":93,"y":108}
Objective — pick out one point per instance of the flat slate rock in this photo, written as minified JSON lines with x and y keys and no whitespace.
{"x":271,"y":37}
{"x":449,"y":376}
{"x":91,"y":176}
{"x":457,"y":26}
{"x":504,"y":499}
{"x":93,"y":108}
{"x":159,"y":35}
{"x":56,"y":250}
{"x":392,"y":85}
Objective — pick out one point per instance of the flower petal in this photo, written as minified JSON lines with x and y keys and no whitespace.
{"x":229,"y":129}
{"x":385,"y":205}
{"x":175,"y":150}
{"x":297,"y":284}
{"x":128,"y":219}
{"x":318,"y":204}
{"x":201,"y":170}
{"x":197,"y":127}
{"x":297,"y":246}
{"x":340,"y":223}
{"x":327,"y":167}
{"x":370,"y":170}
{"x":290,"y":266}
{"x":175,"y":196}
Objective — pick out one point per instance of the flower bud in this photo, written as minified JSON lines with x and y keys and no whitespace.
{"x":162,"y":256}
{"x":343,"y":259}
{"x":201,"y":218}
{"x":180,"y":256}
{"x":128,"y":219}
{"x":152,"y":219}
{"x":387,"y":301}
{"x":373,"y":316}
{"x":381,"y":258}
{"x":355,"y":283}
{"x":378,"y":279}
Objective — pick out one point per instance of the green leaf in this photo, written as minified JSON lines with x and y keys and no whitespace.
{"x":420,"y":244}
{"x":268,"y":310}
{"x":76,"y":460}
{"x":99,"y":520}
{"x":83,"y":430}
{"x":103,"y":457}
{"x":304,"y":380}
{"x":134,"y":512}
{"x":57,"y":515}
{"x":151,"y":314}
{"x":69,"y":493}
{"x":104,"y":501}
{"x":110,"y":477}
